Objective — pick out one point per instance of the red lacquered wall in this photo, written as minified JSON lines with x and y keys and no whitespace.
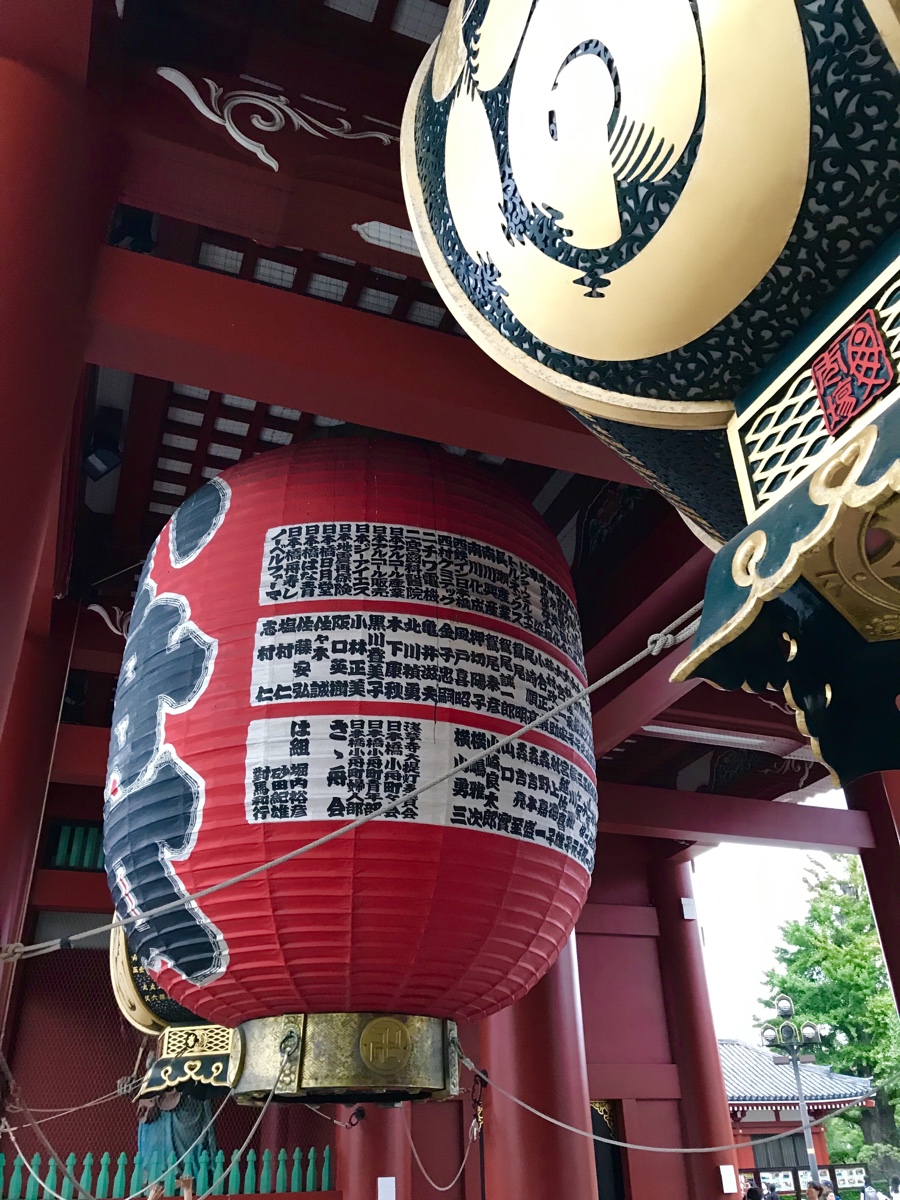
{"x":629,"y":1055}
{"x":70,"y":1045}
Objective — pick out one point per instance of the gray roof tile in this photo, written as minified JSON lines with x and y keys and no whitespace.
{"x":752,"y":1076}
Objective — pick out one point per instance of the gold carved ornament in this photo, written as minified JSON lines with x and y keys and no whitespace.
{"x":851,"y":557}
{"x":210,"y":1054}
{"x":122,"y":965}
{"x":752,"y":160}
{"x":606,"y":1110}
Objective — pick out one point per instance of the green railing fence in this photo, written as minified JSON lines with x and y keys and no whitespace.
{"x":286,"y":1171}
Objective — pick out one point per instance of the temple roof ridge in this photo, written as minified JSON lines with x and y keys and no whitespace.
{"x":752,"y":1076}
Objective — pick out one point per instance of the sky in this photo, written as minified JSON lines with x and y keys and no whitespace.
{"x":741,"y":913}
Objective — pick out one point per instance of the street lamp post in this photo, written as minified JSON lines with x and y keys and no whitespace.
{"x":790,"y":1041}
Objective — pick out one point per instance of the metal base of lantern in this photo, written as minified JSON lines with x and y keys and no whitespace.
{"x":342,"y":1058}
{"x":348,"y":1058}
{"x":189,"y":1054}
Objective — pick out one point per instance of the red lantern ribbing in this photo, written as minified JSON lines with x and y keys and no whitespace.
{"x":316,"y":632}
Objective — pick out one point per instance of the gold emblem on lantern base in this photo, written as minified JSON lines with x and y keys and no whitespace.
{"x":385,"y":1046}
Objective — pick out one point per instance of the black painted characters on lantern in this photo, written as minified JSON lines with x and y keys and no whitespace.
{"x":195,"y":524}
{"x":153,"y":801}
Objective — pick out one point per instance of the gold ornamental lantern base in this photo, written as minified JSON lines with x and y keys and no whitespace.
{"x":317,"y":1058}
{"x":349,"y":1057}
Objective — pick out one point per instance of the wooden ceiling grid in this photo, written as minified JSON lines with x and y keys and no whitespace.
{"x":315,"y":274}
{"x":385,"y":31}
{"x":205,"y":432}
{"x":389,"y":35}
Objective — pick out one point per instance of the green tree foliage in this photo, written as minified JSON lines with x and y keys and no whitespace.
{"x":831,"y":965}
{"x":881,"y":1158}
{"x":845,"y":1140}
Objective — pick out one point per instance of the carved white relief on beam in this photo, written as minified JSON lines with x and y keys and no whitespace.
{"x":273,"y":113}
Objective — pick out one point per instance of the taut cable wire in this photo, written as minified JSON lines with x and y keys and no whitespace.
{"x":286,"y":1055}
{"x":35,"y":1126}
{"x":656,"y":644}
{"x":41,"y":1136}
{"x":43,"y":1187}
{"x":56,"y":1113}
{"x":596,"y":1137}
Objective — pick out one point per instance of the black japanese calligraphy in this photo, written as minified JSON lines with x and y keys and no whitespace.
{"x":341,"y":767}
{"x":400,"y":562}
{"x":408,"y":659}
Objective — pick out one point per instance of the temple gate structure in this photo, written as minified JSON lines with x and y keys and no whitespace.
{"x":232,"y":228}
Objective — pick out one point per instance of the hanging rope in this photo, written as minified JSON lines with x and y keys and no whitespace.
{"x":596,"y":1137}
{"x":355,"y":1116}
{"x":11,"y":952}
{"x":35,"y":1126}
{"x":43,"y":1187}
{"x":39,"y":1133}
{"x":290,"y":1045}
{"x":671,"y":636}
{"x":473,"y":1137}
{"x":56,"y":1113}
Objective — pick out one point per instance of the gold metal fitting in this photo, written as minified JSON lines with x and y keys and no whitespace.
{"x":348,"y":1058}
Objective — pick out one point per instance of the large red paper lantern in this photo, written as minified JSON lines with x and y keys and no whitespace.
{"x":315,"y":633}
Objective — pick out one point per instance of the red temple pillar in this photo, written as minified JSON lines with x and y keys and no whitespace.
{"x":879,"y":796}
{"x":55,"y":196}
{"x":535,"y":1050}
{"x":52,"y":219}
{"x":704,"y":1104}
{"x":376,"y":1148}
{"x":26,"y":751}
{"x":275,"y":1131}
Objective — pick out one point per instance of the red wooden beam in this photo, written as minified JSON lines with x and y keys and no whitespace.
{"x":712,"y":709}
{"x":174,"y":322}
{"x":674,"y":595}
{"x":80,"y":755}
{"x":645,"y":697}
{"x":26,"y":746}
{"x":708,"y":819}
{"x":145,"y":418}
{"x":634,"y":1081}
{"x":181,"y":164}
{"x":638,"y":703}
{"x":71,"y":891}
{"x":618,"y":920}
{"x":739,"y":719}
{"x":624,"y":706}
